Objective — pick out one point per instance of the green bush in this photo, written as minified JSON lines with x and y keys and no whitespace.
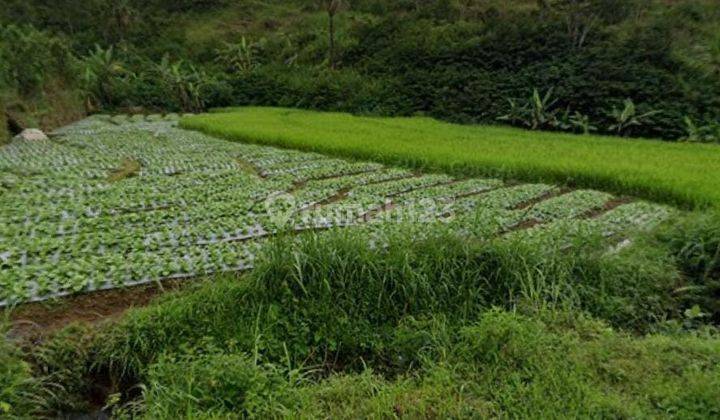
{"x":18,"y":388}
{"x":466,"y":72}
{"x":459,"y":61}
{"x":211,"y":384}
{"x":331,"y":301}
{"x":502,"y":365}
{"x":463,"y":70}
{"x":694,"y":241}
{"x":458,"y":325}
{"x":38,"y":79}
{"x":4,"y":133}
{"x":32,"y":58}
{"x":312,"y":88}
{"x":116,"y":80}
{"x":63,"y":361}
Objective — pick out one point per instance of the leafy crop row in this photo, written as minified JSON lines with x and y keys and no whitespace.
{"x":197,"y":205}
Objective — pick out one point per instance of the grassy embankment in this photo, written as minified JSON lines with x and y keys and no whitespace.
{"x":56,"y":108}
{"x":676,"y":173}
{"x":329,"y":327}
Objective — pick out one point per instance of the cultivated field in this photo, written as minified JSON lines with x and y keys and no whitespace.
{"x":119,"y":201}
{"x":367,"y":290}
{"x":676,"y":173}
{"x":360,"y":209}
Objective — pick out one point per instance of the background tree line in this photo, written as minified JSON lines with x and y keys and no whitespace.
{"x":629,"y":67}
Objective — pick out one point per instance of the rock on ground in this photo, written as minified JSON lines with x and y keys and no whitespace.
{"x":32,"y":134}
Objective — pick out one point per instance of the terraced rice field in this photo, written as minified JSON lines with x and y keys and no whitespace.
{"x":113,"y":202}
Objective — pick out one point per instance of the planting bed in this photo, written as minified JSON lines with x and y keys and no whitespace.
{"x":119,"y":201}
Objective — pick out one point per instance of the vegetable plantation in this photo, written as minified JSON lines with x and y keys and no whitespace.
{"x":359,"y":209}
{"x":681,"y":174}
{"x":112,"y":202}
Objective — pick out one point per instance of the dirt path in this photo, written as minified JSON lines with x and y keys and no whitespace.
{"x":34,"y":321}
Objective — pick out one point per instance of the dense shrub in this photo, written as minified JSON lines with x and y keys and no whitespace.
{"x":38,"y":79}
{"x":4,"y":133}
{"x":124,"y":80}
{"x":18,"y":388}
{"x":503,"y":364}
{"x":321,"y":315}
{"x":212,"y":383}
{"x":313,"y":88}
{"x":332,"y":301}
{"x":31,"y":58}
{"x":457,"y":60}
{"x":694,"y":241}
{"x":465,"y":72}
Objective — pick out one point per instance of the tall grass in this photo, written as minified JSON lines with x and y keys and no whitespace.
{"x":694,"y":242}
{"x":334,"y":300}
{"x":19,"y":391}
{"x":331,"y":325}
{"x":677,"y":173}
{"x":502,"y":365}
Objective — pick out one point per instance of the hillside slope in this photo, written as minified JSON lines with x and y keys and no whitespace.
{"x":464,"y":61}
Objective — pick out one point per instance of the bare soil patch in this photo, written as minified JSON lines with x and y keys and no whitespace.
{"x":34,"y":321}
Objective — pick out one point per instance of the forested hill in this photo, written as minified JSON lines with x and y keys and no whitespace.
{"x":629,"y":67}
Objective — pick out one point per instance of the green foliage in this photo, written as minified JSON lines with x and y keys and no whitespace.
{"x":184,"y":82}
{"x":186,"y":5}
{"x":38,"y":75}
{"x":120,"y":79}
{"x":464,"y":71}
{"x":31,"y":59}
{"x":536,"y":113}
{"x":212,"y":384}
{"x":628,"y":117}
{"x":312,"y":88}
{"x":701,"y":134}
{"x":238,"y":57}
{"x":694,"y":241}
{"x":581,"y":122}
{"x":18,"y":388}
{"x":652,"y":169}
{"x":63,"y":361}
{"x":455,"y":60}
{"x":502,"y":364}
{"x":529,"y":366}
{"x":337,"y":301}
{"x":330,"y":325}
{"x":4,"y":133}
{"x":409,"y":330}
{"x":100,"y":69}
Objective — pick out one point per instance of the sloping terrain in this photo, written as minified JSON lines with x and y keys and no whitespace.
{"x":118,"y":202}
{"x":682,"y":173}
{"x":368,"y":290}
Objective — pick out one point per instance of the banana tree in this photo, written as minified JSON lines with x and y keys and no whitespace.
{"x":628,"y":117}
{"x":100,"y":69}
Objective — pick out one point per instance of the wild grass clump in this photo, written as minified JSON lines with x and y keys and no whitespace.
{"x":333,"y":325}
{"x":337,"y":301}
{"x":214,"y":384}
{"x":19,"y":390}
{"x":64,"y":362}
{"x":694,"y":242}
{"x":4,"y":133}
{"x":502,"y":365}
